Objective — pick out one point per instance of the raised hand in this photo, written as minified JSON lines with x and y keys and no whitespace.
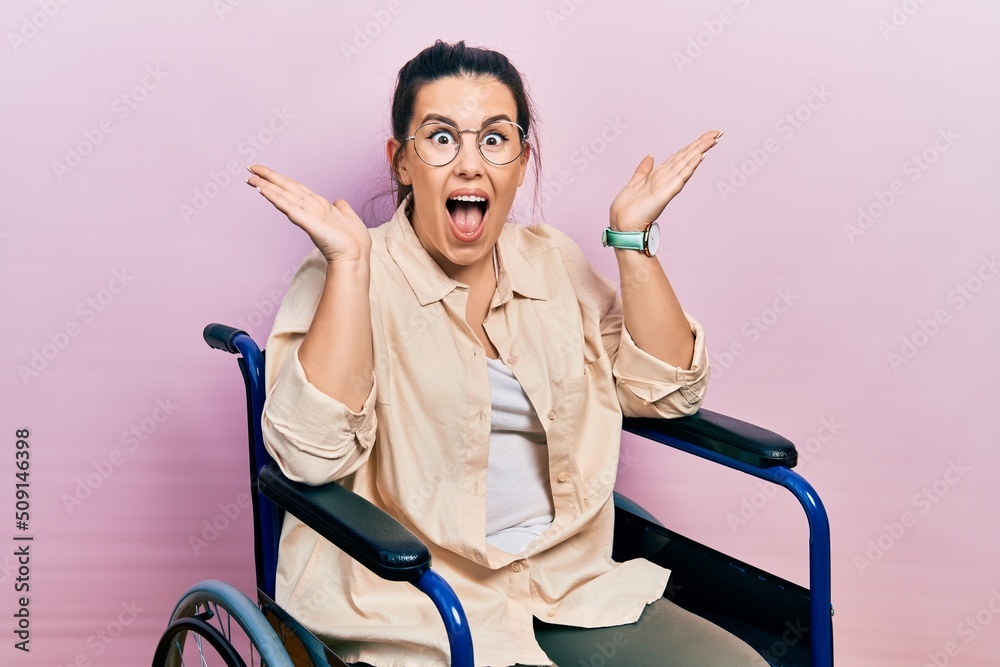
{"x":644,"y":197}
{"x":335,"y":228}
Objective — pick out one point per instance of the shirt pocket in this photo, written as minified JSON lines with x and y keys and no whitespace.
{"x":573,"y":387}
{"x":593,"y":429}
{"x":582,"y":394}
{"x":570,"y":402}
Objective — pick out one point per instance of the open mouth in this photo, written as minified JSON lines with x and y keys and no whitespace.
{"x":467,"y":214}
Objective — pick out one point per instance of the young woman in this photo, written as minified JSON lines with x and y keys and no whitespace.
{"x":468,"y":376}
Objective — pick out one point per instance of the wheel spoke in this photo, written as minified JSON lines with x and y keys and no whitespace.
{"x":201,"y":650}
{"x":180,"y":653}
{"x":214,"y":608}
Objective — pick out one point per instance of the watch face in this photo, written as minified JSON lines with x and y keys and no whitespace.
{"x":653,"y":239}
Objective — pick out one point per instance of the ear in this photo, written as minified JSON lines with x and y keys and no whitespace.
{"x":393,"y":145}
{"x":522,"y":163}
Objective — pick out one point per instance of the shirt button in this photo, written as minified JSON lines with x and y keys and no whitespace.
{"x":552,"y":414}
{"x":563,"y":476}
{"x":552,"y":612}
{"x":512,"y":359}
{"x":516,"y":566}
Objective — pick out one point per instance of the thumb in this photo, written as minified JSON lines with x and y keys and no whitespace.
{"x":643,"y":170}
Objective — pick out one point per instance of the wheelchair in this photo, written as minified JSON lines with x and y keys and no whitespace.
{"x":215,"y":624}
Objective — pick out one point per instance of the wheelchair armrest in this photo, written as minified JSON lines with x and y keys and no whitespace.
{"x":724,"y":435}
{"x":359,"y":528}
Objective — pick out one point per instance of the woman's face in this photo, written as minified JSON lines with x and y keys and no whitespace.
{"x":458,"y":235}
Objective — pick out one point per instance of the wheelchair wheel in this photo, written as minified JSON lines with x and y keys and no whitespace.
{"x":184,"y":643}
{"x":216,"y":625}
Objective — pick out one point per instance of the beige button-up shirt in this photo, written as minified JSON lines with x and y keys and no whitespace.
{"x":419,"y":448}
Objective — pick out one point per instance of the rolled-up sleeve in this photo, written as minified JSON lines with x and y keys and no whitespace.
{"x":650,"y":387}
{"x":646,"y":386}
{"x":312,"y":436}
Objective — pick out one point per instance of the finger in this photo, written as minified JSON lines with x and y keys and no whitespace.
{"x":342,"y":206}
{"x":290,"y":205}
{"x":259,"y":170}
{"x":273,"y":190}
{"x":667,"y":181}
{"x":299,"y":196}
{"x":681,"y":174}
{"x":707,"y":139}
{"x":703,"y":141}
{"x":700,"y":145}
{"x":345,"y":209}
{"x":270,"y":175}
{"x":642,"y":171}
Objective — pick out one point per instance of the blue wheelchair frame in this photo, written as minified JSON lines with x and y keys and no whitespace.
{"x":384,"y":546}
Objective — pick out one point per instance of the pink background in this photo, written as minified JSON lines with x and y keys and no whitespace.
{"x":106,"y":283}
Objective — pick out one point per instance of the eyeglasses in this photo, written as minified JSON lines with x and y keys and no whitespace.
{"x":436,"y":143}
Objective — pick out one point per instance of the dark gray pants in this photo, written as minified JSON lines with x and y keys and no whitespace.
{"x":664,"y":636}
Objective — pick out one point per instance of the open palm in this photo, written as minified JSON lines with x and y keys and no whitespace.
{"x":644,"y":197}
{"x":335,"y":228}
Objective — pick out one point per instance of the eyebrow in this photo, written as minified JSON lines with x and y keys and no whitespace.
{"x":444,"y":119}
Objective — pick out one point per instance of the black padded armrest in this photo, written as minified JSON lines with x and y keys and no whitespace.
{"x":731,"y":437}
{"x":363,"y":531}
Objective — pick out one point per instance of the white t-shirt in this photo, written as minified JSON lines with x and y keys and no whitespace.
{"x":518,"y":496}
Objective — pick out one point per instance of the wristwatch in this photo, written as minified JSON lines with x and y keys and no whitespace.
{"x":647,"y":241}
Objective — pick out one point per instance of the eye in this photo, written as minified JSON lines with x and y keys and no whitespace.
{"x":493,"y":137}
{"x":442,"y":136}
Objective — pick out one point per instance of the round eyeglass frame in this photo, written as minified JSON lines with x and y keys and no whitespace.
{"x":479,"y":145}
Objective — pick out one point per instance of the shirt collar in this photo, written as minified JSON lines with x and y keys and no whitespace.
{"x":429,"y":283}
{"x":517,"y":274}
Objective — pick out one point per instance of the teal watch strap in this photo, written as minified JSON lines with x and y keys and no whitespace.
{"x":625,"y":240}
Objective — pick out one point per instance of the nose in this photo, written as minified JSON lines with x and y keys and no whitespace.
{"x":469,"y":162}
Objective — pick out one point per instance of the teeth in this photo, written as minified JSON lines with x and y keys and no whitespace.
{"x":468,"y":198}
